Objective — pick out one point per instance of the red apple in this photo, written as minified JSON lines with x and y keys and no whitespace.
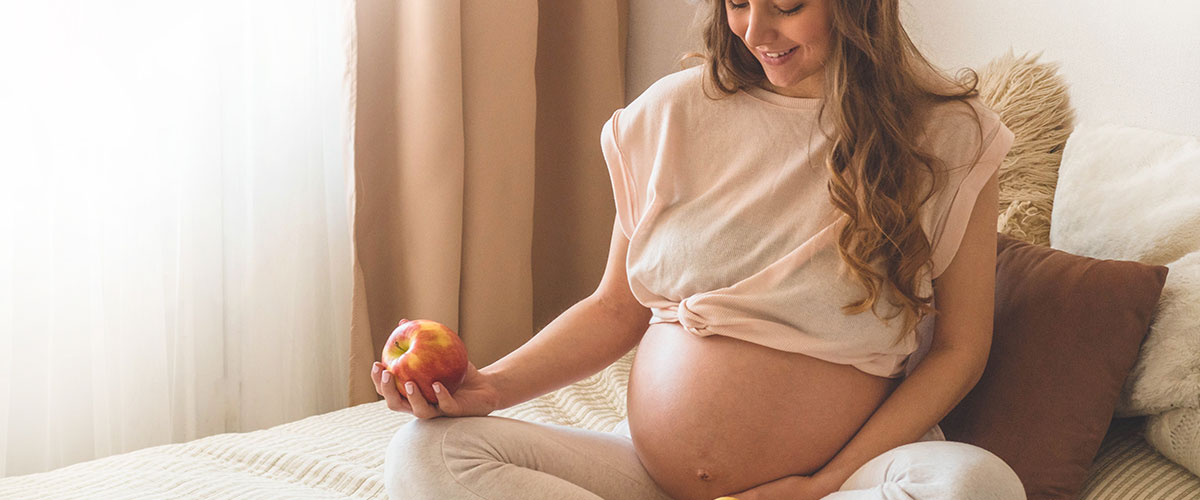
{"x":424,"y":351}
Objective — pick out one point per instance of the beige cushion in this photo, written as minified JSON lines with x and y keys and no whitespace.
{"x":1031,"y":98}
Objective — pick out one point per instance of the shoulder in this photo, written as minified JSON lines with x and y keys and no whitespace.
{"x":670,"y":101}
{"x":674,"y":88}
{"x":672,"y":93}
{"x":957,"y":131}
{"x":969,"y":143}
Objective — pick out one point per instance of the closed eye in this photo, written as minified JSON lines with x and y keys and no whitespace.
{"x":788,"y":12}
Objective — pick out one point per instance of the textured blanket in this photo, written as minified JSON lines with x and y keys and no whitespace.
{"x":334,"y":455}
{"x":340,"y":455}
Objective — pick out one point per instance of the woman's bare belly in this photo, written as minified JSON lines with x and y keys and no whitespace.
{"x":712,"y":416}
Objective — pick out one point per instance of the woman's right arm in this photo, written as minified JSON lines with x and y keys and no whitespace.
{"x":586,"y":338}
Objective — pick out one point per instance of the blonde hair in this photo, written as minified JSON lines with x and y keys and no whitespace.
{"x":878,"y":88}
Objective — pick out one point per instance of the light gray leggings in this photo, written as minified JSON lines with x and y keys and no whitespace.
{"x":499,"y":458}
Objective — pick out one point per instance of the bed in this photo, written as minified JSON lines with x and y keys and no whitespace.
{"x":340,"y":455}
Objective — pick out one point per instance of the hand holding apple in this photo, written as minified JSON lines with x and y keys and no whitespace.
{"x":424,"y":351}
{"x":477,"y":395}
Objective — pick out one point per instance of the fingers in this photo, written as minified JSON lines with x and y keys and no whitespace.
{"x":376,"y":371}
{"x":395,"y":401}
{"x":420,"y":407}
{"x":445,"y":402}
{"x":412,"y":401}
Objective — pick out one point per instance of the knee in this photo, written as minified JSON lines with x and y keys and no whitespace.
{"x":415,"y":440}
{"x":415,"y":446}
{"x":974,"y":473}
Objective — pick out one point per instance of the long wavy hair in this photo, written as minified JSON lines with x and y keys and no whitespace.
{"x":878,"y":88}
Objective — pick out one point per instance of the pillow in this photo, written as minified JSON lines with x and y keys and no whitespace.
{"x":1031,"y":99}
{"x":1129,"y":193}
{"x":1166,"y":374}
{"x":1066,"y":332}
{"x":1176,"y":434}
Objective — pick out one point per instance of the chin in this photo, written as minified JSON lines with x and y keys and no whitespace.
{"x":782,"y":84}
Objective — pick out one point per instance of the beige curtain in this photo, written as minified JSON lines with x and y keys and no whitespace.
{"x":480,"y":195}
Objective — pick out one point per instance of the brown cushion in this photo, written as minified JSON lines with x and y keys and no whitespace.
{"x":1067,"y":331}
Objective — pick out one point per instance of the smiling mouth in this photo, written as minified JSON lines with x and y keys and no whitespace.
{"x":777,"y":55}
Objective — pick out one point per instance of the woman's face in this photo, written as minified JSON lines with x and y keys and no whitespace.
{"x":772,"y":26}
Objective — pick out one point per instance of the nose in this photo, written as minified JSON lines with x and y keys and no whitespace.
{"x":760,"y":28}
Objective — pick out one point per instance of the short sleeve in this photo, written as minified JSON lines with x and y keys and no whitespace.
{"x":624,"y":185}
{"x":949,"y":209}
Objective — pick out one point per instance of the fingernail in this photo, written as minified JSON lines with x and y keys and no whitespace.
{"x":374,"y":369}
{"x":386,"y":377}
{"x":437,"y":388}
{"x":409,"y":387}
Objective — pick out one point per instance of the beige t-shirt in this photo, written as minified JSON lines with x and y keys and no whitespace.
{"x":731,"y":229}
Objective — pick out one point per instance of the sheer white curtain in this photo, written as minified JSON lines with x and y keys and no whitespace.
{"x":174,"y":246}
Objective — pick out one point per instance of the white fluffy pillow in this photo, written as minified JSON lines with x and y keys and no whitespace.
{"x":1133,"y":194}
{"x":1166,"y":374}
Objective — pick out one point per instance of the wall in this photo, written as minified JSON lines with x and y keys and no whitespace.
{"x":1133,"y":63}
{"x":658,"y":35}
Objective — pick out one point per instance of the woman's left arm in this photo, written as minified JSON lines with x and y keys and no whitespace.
{"x":965,"y":294}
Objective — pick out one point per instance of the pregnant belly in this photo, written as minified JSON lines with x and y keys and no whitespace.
{"x":712,"y":416}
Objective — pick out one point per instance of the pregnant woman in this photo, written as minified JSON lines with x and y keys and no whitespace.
{"x":803,"y":253}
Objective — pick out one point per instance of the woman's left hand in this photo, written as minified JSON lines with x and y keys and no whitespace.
{"x":789,"y":488}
